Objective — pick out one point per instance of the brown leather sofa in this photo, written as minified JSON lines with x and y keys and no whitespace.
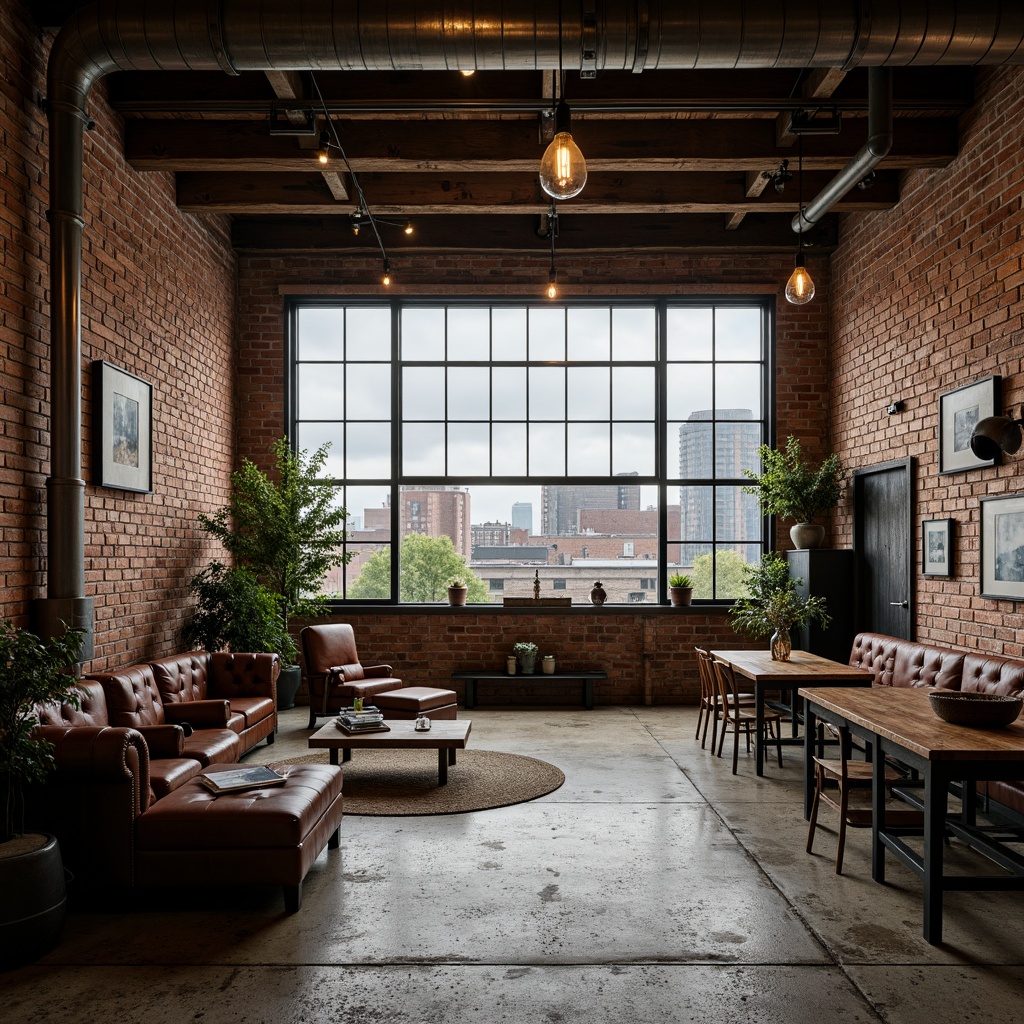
{"x":895,"y":662}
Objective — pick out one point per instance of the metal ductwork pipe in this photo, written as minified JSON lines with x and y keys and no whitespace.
{"x":345,"y":35}
{"x":868,"y":157}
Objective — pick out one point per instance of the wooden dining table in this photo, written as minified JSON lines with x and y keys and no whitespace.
{"x":767,"y":675}
{"x":898,"y":722}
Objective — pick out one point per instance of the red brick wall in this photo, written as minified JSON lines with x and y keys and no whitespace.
{"x":158,"y":299}
{"x":927,"y":297}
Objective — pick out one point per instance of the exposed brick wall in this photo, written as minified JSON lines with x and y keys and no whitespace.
{"x":926,"y":298}
{"x":158,"y":300}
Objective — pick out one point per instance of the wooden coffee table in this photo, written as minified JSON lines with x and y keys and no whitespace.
{"x":443,"y":736}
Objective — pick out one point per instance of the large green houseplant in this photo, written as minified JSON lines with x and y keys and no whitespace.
{"x":792,"y":488}
{"x":31,"y":873}
{"x":288,"y":530}
{"x":773,"y":607}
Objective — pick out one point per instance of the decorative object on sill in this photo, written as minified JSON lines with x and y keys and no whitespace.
{"x":530,"y":602}
{"x":969,"y":426}
{"x":773,"y":607}
{"x":800,"y":287}
{"x":547,"y":665}
{"x":457,"y":591}
{"x":680,"y":590}
{"x":598,"y":595}
{"x":937,"y":547}
{"x":124,"y":442}
{"x":1002,"y":536}
{"x":790,"y":488}
{"x":536,"y":584}
{"x":510,"y":664}
{"x":526,"y":655}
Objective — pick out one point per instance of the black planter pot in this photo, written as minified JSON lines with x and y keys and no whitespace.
{"x":34,"y":901}
{"x":288,"y":683}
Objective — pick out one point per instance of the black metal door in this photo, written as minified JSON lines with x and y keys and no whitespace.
{"x":884,"y":546}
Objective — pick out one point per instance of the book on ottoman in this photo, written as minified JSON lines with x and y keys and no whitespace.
{"x":242,"y":778}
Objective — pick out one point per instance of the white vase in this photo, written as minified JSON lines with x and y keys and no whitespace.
{"x":807,"y":535}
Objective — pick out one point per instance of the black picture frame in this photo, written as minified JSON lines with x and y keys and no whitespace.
{"x":123,"y":429}
{"x":1002,"y":547}
{"x":937,"y":547}
{"x":960,"y":411}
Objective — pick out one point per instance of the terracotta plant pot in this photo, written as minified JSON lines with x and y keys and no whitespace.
{"x":457,"y":596}
{"x":680,"y":596}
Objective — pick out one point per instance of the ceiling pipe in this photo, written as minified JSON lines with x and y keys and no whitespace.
{"x":345,"y":35}
{"x":868,"y":157}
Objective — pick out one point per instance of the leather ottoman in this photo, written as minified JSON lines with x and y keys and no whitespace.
{"x":265,"y":836}
{"x":413,"y":701}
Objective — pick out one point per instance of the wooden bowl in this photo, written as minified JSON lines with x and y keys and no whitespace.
{"x":975,"y":709}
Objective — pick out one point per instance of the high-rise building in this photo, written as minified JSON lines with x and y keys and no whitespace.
{"x":561,"y":504}
{"x":522,"y":516}
{"x":437,"y":512}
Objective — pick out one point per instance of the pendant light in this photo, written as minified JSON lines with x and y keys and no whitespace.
{"x":563,"y":171}
{"x":800,"y":287}
{"x":552,"y":231}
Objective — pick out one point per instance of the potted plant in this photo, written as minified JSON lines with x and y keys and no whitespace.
{"x":458,"y":588}
{"x":31,"y":872}
{"x":680,"y":589}
{"x":526,"y":655}
{"x":773,"y":607}
{"x":288,"y":531}
{"x":791,"y":488}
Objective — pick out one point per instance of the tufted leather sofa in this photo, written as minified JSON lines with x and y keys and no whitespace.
{"x":895,"y":662}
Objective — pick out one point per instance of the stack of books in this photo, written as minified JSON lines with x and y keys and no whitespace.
{"x":242,"y":778}
{"x":368,"y":720}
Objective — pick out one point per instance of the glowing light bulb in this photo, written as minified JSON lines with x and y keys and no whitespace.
{"x":408,"y":229}
{"x":563,"y":171}
{"x":552,"y":285}
{"x":467,"y":73}
{"x":799,"y":287}
{"x":387,"y":274}
{"x":323,"y":154}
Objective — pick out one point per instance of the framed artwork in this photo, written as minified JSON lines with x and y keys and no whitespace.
{"x":123,"y":418}
{"x":1002,"y":547}
{"x":937,"y":547}
{"x":959,"y":413}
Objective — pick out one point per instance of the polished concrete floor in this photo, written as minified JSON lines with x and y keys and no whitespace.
{"x":653,"y":886}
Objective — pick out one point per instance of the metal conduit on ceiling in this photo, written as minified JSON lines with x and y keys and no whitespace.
{"x":262,"y":35}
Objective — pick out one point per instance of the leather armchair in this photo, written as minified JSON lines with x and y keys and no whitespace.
{"x":334,"y":673}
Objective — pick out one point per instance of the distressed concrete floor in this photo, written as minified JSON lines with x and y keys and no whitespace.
{"x":653,"y":886}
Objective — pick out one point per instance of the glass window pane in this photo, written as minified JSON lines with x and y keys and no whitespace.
{"x":508,"y":332}
{"x":368,"y":391}
{"x":696,"y":513}
{"x":368,"y":452}
{"x":547,"y":449}
{"x":423,"y":392}
{"x":633,"y":393}
{"x":737,"y":515}
{"x":509,"y":395}
{"x":589,"y":449}
{"x":589,"y":392}
{"x":547,"y":334}
{"x":368,"y":333}
{"x":688,"y":389}
{"x":321,"y":333}
{"x":738,"y":387}
{"x":736,"y":448}
{"x":689,"y":449}
{"x":422,"y":332}
{"x":321,"y":390}
{"x":508,"y":441}
{"x":589,"y":333}
{"x":633,"y":448}
{"x":468,"y":449}
{"x":423,"y":449}
{"x":368,"y":575}
{"x":738,"y":332}
{"x":312,"y":435}
{"x":689,"y":330}
{"x":633,"y":332}
{"x":547,"y":393}
{"x":369,"y":514}
{"x":469,"y":393}
{"x":469,"y":334}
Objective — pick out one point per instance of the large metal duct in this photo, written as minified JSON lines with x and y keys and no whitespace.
{"x":253,"y":35}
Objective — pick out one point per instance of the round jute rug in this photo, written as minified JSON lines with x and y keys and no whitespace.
{"x":404,"y":782}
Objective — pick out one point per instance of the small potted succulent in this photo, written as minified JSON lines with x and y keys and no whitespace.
{"x":458,"y":588}
{"x":680,"y":589}
{"x":526,"y":655}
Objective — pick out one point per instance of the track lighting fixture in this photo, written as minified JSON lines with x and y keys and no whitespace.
{"x":995,"y":435}
{"x":867,"y":181}
{"x":781,"y":176}
{"x":800,"y":286}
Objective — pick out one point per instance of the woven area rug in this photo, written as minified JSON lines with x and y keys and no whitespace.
{"x":404,"y":782}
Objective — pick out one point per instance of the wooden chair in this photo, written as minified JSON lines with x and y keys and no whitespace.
{"x":709,"y":708}
{"x":740,"y":715}
{"x":854,"y":778}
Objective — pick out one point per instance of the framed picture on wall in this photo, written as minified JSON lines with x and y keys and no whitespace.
{"x":959,"y":413}
{"x":1002,"y":547}
{"x":937,"y":547}
{"x":123,"y":439}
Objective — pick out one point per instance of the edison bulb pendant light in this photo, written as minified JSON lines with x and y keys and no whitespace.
{"x":552,"y":285}
{"x":799,"y":287}
{"x":563,"y":171}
